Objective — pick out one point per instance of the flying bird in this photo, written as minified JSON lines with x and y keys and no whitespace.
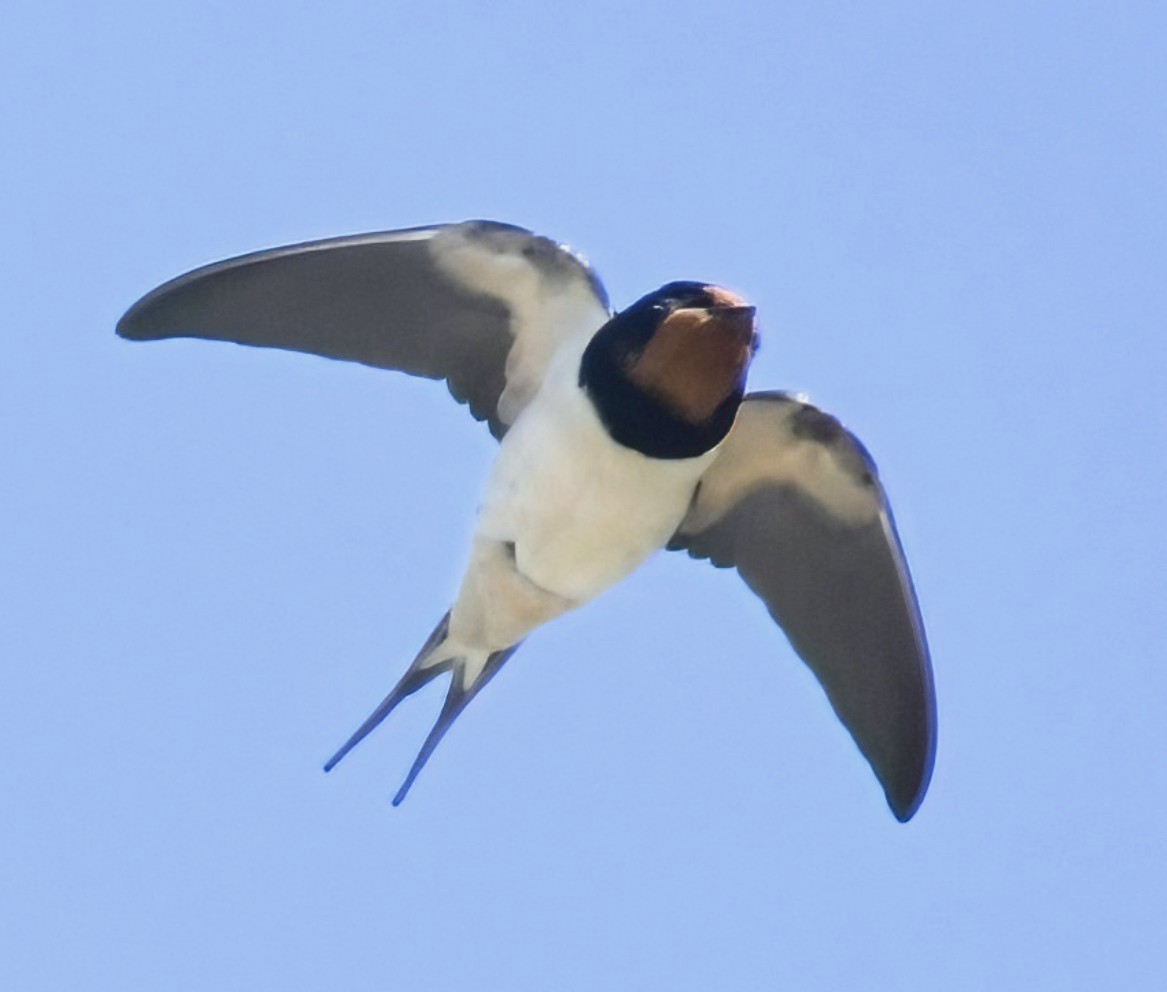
{"x":621,"y":433}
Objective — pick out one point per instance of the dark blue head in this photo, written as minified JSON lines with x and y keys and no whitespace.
{"x":667,"y":373}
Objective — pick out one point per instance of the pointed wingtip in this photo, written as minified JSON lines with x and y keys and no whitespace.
{"x":125,"y":326}
{"x":132,"y":325}
{"x":903,"y":813}
{"x":905,"y":803}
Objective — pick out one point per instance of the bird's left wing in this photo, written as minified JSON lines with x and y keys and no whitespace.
{"x":481,"y":304}
{"x":794,"y":501}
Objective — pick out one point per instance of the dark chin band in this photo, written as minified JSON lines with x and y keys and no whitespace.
{"x":639,"y":421}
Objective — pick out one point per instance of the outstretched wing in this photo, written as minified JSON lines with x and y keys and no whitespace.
{"x":793,"y":501}
{"x":481,"y":304}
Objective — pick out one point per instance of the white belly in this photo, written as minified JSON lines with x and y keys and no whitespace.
{"x":581,"y":510}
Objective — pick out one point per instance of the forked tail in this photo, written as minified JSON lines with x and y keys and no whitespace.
{"x":431,"y":661}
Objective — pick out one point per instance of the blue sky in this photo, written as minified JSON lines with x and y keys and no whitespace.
{"x":216,"y":561}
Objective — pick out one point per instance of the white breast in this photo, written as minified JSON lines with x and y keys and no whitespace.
{"x":581,"y":510}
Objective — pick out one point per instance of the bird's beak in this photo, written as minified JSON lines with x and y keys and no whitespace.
{"x":738,"y":320}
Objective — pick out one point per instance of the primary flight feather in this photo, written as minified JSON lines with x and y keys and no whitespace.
{"x":621,"y":433}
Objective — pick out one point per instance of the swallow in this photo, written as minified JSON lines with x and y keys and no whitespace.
{"x":621,"y":433}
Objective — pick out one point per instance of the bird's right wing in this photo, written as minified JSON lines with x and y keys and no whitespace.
{"x":794,"y":501}
{"x":481,"y":304}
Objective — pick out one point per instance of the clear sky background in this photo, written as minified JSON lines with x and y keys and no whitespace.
{"x":215,"y":560}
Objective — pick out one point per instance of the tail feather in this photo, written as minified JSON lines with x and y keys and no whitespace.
{"x":425,"y":668}
{"x":457,"y":699}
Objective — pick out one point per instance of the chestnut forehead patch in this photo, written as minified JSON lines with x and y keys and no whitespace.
{"x":693,"y":361}
{"x":724,"y":297}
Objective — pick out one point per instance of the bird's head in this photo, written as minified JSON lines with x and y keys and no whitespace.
{"x":674,"y":362}
{"x":699,"y":344}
